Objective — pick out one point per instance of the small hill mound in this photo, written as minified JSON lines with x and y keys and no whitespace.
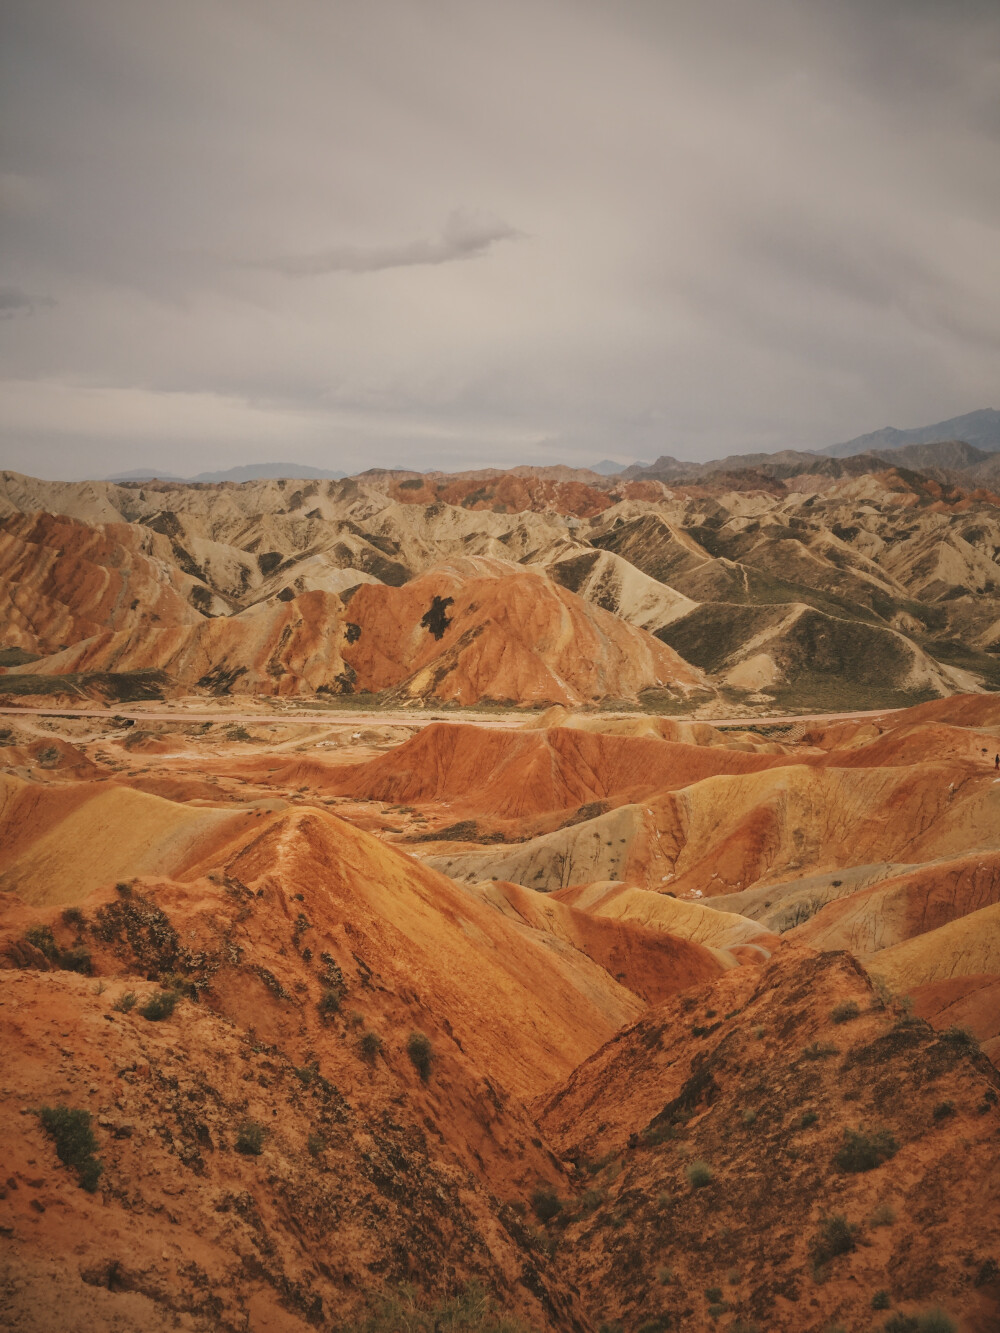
{"x":652,"y":963}
{"x":524,"y":773}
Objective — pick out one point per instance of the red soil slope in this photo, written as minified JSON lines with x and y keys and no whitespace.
{"x":62,"y":581}
{"x":503,"y":633}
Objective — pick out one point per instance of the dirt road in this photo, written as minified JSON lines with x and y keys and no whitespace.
{"x":403,"y":717}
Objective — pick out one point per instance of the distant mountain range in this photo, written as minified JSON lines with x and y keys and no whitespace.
{"x":248,"y":472}
{"x":981,"y":429}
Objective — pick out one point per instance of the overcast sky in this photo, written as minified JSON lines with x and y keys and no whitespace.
{"x":467,"y":232}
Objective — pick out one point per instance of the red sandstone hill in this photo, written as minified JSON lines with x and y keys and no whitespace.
{"x":62,"y":581}
{"x":462,"y":633}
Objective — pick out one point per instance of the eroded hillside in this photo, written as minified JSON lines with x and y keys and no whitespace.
{"x":634,"y":1022}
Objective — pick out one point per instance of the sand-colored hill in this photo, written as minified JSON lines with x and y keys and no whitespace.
{"x":791,"y":644}
{"x":726,"y":834}
{"x":964,"y":947}
{"x":703,"y":922}
{"x":60,"y":844}
{"x":652,"y":962}
{"x":905,"y":906}
{"x":613,"y":583}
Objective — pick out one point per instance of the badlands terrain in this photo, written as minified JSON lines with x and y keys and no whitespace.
{"x":529,"y":900}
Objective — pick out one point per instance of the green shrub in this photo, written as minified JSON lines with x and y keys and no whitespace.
{"x":805,"y":1120}
{"x":315,"y":1143}
{"x":545,"y":1203}
{"x":664,"y":1276}
{"x":845,"y":1012}
{"x":250,"y":1138}
{"x":370,"y":1046}
{"x":817,"y":1051}
{"x":931,"y":1321}
{"x":76,"y":959}
{"x":329,"y":1003}
{"x":41,"y":937}
{"x":749,"y":1117}
{"x":836,"y":1236}
{"x":75,"y":1143}
{"x":125,"y":1002}
{"x":699,"y":1174}
{"x":883,"y":1216}
{"x":713,"y":1295}
{"x":591,"y":1201}
{"x":962,"y":1040}
{"x":881,"y":1301}
{"x":943,"y":1110}
{"x":420,"y":1051}
{"x":159,"y":1006}
{"x":72,"y":916}
{"x":862,"y":1151}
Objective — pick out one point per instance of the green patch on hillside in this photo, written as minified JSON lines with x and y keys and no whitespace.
{"x":111,"y":686}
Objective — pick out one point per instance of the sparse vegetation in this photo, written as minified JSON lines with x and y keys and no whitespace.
{"x":699,"y":1174}
{"x":126,"y":1002}
{"x":845,"y":1012}
{"x":836,"y":1236}
{"x":329,"y":1003}
{"x":864,"y":1151}
{"x":75,"y":959}
{"x":420,"y":1051}
{"x":70,"y":1130}
{"x":159,"y":1006}
{"x":250,"y":1138}
{"x":961,"y":1039}
{"x":931,"y":1321}
{"x":819,"y":1050}
{"x":370,"y":1046}
{"x":545,"y":1203}
{"x":883,"y":1216}
{"x":749,"y":1117}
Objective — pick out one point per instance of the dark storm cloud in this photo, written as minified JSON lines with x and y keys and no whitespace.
{"x":462,"y":237}
{"x":741,"y":225}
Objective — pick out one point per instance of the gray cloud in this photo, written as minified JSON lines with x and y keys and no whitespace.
{"x":751,"y":226}
{"x":14,"y":301}
{"x":464,"y":236}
